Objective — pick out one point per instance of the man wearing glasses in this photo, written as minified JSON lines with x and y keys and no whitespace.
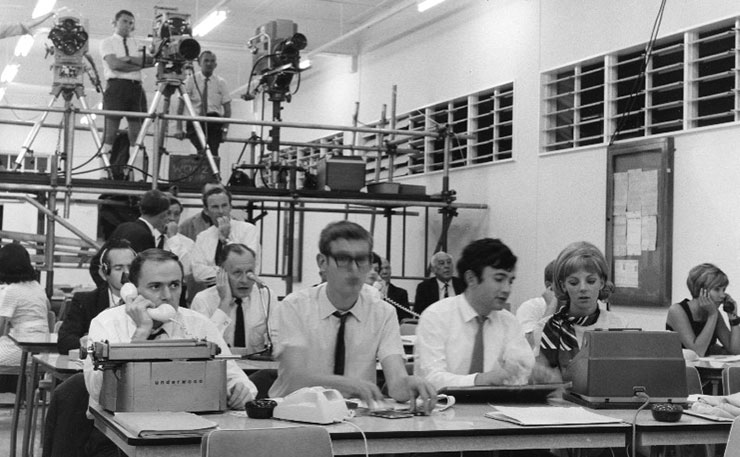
{"x":332,"y":334}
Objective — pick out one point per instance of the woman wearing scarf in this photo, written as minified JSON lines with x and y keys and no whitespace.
{"x":581,"y":279}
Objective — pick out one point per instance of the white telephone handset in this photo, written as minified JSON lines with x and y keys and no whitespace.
{"x":162,"y":313}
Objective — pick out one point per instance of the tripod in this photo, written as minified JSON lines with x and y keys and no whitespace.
{"x":167,"y":87}
{"x":67,"y":91}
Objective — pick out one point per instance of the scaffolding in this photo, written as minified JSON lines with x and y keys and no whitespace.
{"x":43,"y":191}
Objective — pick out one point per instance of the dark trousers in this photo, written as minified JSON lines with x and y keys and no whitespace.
{"x":212,"y":130}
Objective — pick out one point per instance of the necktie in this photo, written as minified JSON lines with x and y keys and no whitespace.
{"x":204,"y":98}
{"x":339,"y":349}
{"x":446,"y":291}
{"x":476,"y":362}
{"x":240,"y":340}
{"x":218,"y":258}
{"x":160,"y":243}
{"x":125,"y":46}
{"x":156,"y":333}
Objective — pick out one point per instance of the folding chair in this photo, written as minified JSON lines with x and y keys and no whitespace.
{"x":730,"y":380}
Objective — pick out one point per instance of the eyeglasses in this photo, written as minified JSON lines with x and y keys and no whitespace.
{"x":345,"y":261}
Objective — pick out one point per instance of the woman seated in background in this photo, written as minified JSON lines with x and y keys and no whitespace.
{"x":24,"y":307}
{"x":698,"y":321}
{"x":580,"y":280}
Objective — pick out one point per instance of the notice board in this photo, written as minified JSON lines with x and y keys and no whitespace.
{"x":639,"y":222}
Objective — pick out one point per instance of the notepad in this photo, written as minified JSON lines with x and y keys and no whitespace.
{"x":164,"y":424}
{"x":548,"y":415}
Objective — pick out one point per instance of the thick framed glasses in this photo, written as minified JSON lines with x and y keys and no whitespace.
{"x":345,"y":261}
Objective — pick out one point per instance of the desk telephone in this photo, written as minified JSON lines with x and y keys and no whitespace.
{"x":162,"y":313}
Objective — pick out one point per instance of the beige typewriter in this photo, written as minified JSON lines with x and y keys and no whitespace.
{"x":161,"y":375}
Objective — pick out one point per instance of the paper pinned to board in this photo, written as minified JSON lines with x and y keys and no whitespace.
{"x":548,"y":415}
{"x":626,"y":273}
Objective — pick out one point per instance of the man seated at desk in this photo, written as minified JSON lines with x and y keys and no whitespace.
{"x":242,"y":310}
{"x":157,"y":275}
{"x":115,"y":260}
{"x":471,"y":339}
{"x":332,"y":334}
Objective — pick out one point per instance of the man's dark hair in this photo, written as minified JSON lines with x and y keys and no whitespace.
{"x":154,"y":202}
{"x":486,"y":252}
{"x":122,"y":13}
{"x":174,"y":201}
{"x":151,"y":255}
{"x":215,"y":191}
{"x":343,"y":230}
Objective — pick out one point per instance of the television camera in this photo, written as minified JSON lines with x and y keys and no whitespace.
{"x":276,"y":48}
{"x":172,"y":43}
{"x":70,"y":46}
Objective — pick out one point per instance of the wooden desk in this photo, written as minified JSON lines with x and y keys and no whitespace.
{"x":29,"y":345}
{"x":460,"y":428}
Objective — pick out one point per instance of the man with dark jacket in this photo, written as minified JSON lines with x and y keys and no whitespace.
{"x":442,"y":285}
{"x":116,"y":257}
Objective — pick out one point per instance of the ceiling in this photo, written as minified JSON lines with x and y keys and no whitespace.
{"x":331,"y":26}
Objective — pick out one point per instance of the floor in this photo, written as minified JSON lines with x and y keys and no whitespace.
{"x":6,"y":418}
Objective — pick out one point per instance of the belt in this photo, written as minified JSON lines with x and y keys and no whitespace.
{"x":130,"y":81}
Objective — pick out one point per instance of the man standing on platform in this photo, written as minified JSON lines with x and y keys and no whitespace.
{"x":332,"y":334}
{"x":115,"y":260}
{"x":211,"y":98}
{"x":442,"y":285}
{"x":122,"y":65}
{"x":243,"y":310}
{"x":471,"y":339}
{"x":208,"y":251}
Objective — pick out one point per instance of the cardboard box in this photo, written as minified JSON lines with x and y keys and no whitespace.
{"x":191,"y":169}
{"x":342,"y":173}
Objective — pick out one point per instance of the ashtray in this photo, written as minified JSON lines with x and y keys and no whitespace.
{"x":260,"y":409}
{"x":667,"y":412}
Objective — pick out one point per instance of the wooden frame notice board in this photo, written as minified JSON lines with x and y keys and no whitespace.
{"x":639,"y":222}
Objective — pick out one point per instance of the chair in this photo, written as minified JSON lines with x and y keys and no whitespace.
{"x":693,"y":381}
{"x":733,"y":441}
{"x":309,"y":441}
{"x":730,"y":380}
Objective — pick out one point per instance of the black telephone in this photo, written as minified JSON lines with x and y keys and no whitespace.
{"x":728,"y":307}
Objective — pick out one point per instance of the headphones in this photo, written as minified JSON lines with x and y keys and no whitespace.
{"x":104,"y":265}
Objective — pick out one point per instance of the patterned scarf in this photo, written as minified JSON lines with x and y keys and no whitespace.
{"x":559,"y":336}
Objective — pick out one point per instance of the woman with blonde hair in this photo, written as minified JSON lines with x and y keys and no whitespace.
{"x":580,"y":280}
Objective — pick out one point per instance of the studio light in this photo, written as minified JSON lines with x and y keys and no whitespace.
{"x":426,"y":4}
{"x":24,"y":45}
{"x":43,"y":7}
{"x":8,"y":74}
{"x":210,"y":22}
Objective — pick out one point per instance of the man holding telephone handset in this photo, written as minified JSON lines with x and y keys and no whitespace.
{"x":157,"y":275}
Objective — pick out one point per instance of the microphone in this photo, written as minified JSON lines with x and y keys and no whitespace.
{"x":253,"y":277}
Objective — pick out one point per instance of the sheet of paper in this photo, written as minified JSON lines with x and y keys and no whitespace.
{"x":620,"y":193}
{"x":626,"y":273}
{"x":634,"y":233}
{"x":620,"y":235}
{"x":548,"y":415}
{"x":649,"y":232}
{"x":634,"y":190}
{"x":649,"y":192}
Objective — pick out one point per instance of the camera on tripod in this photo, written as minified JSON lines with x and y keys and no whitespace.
{"x":70,"y":45}
{"x":172,"y":42}
{"x":276,"y":49}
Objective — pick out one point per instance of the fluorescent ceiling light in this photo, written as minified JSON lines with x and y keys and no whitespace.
{"x":9,"y":72}
{"x":43,"y":7}
{"x":2,"y":92}
{"x":209,"y":23}
{"x":426,"y":4}
{"x":24,"y":45}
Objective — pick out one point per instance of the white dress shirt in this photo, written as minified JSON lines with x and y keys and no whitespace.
{"x":181,"y":246}
{"x":204,"y":251}
{"x":115,"y":326}
{"x":257,"y":313}
{"x":445,"y":337}
{"x":114,"y":45}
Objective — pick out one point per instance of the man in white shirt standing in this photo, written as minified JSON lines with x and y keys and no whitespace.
{"x":122,"y":65}
{"x":207,"y":253}
{"x":471,"y":339}
{"x":242,"y":309}
{"x":210,"y":97}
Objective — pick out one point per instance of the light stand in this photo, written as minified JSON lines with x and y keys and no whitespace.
{"x":70,"y":46}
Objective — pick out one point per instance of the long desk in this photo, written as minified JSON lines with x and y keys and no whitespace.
{"x":460,"y":428}
{"x":29,"y":345}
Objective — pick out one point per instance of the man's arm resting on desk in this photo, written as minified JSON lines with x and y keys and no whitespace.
{"x":402,"y":387}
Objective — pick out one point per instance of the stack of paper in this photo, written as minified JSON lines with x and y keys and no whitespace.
{"x":164,"y":424}
{"x":548,"y":415}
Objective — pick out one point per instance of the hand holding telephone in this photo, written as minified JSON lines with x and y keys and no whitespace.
{"x":161,"y":313}
{"x":728,"y":305}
